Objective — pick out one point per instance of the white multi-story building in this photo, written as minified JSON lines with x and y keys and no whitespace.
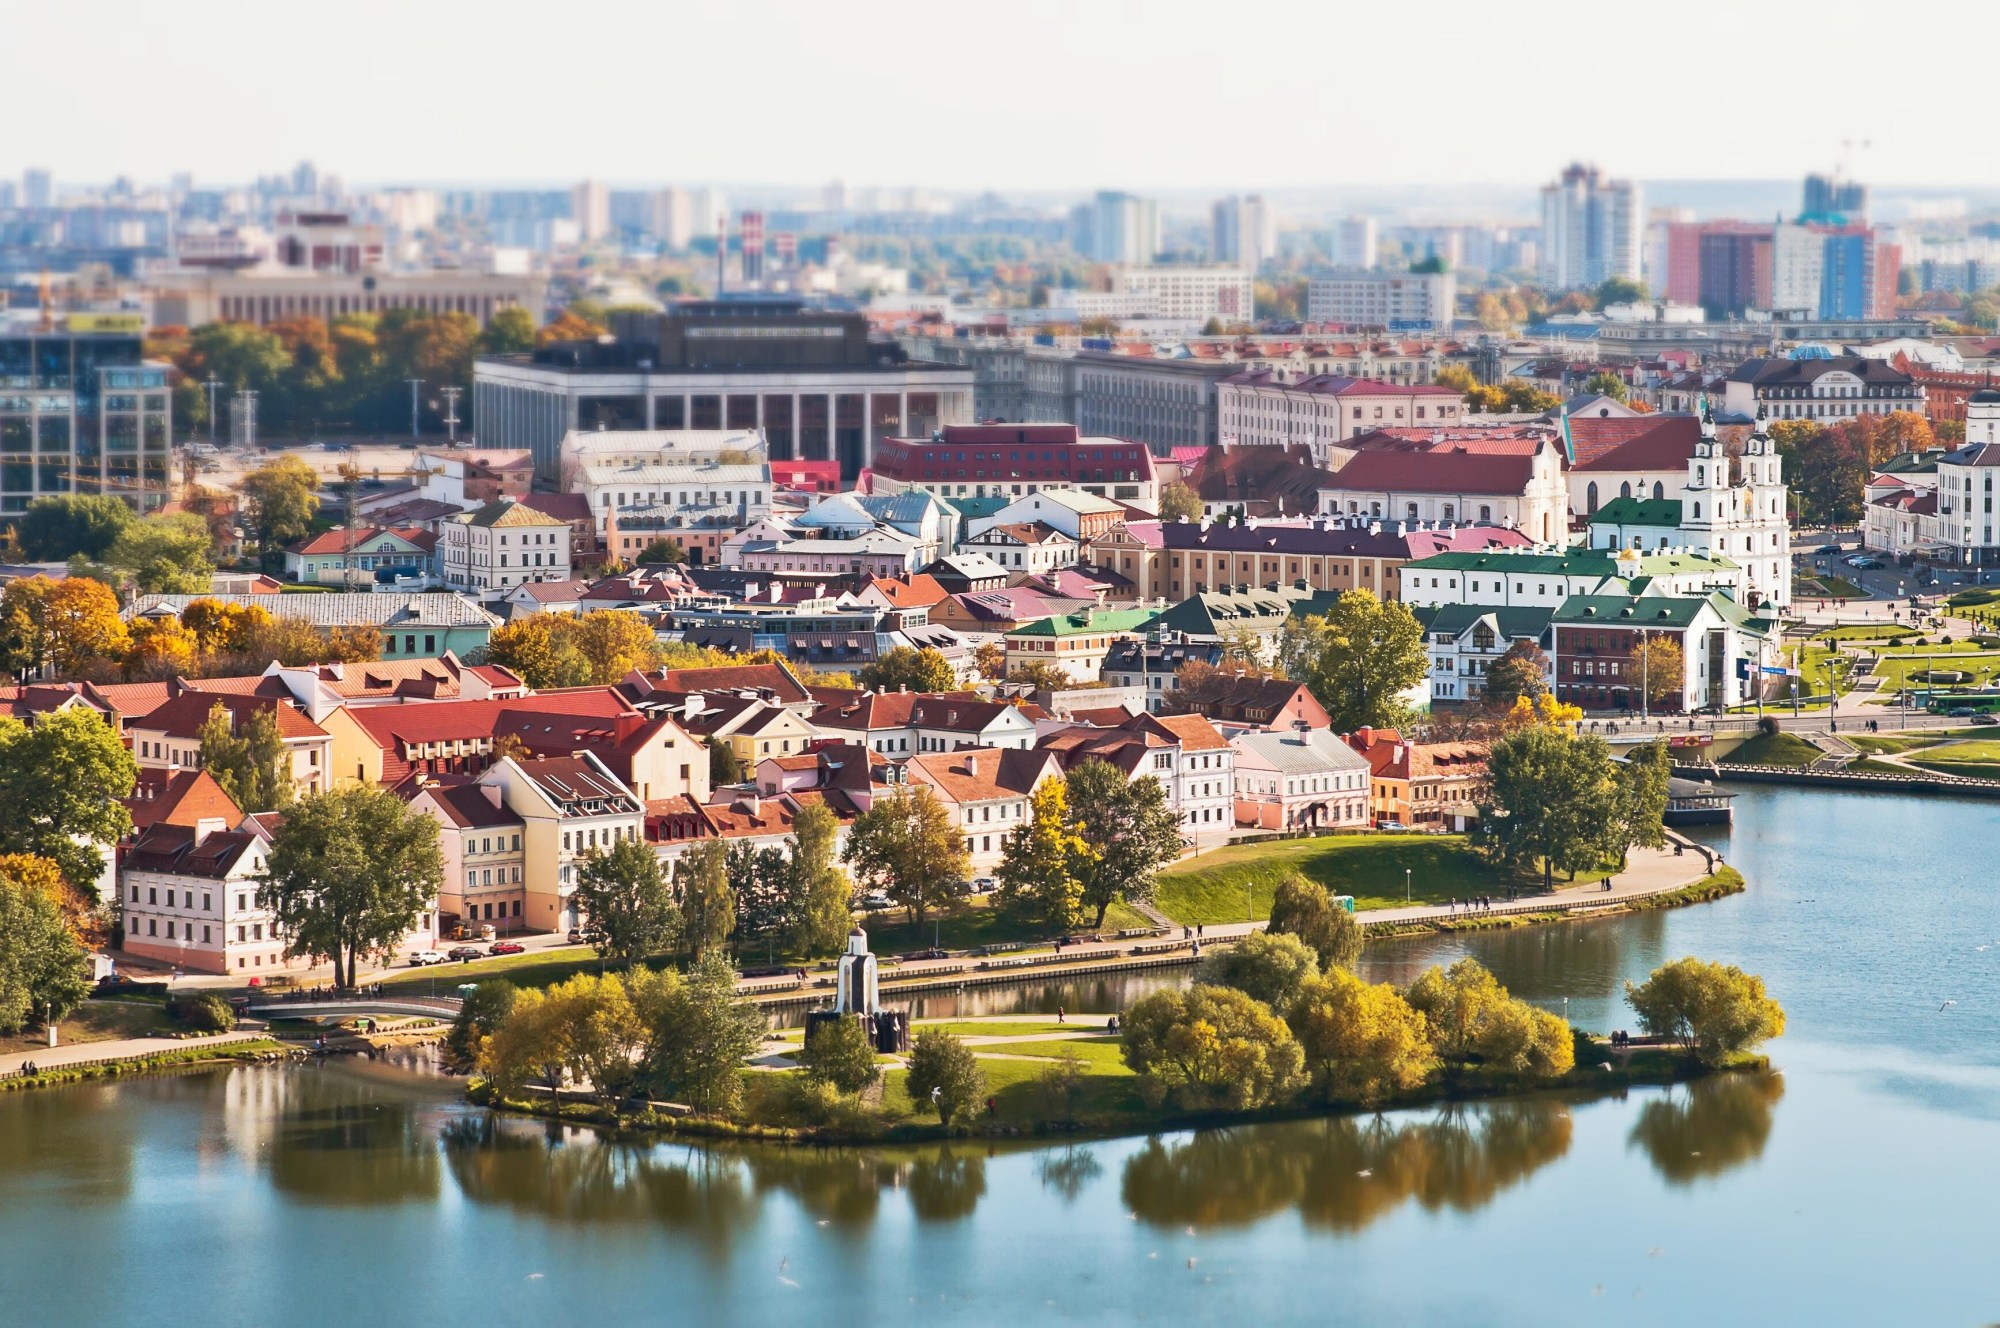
{"x":590,"y":208}
{"x":1191,"y":294}
{"x":502,"y":545}
{"x":1592,"y":229}
{"x":1418,"y":301}
{"x":739,"y":494}
{"x":1269,"y":408}
{"x":1825,"y":390}
{"x":1300,"y":779}
{"x":1117,"y":227}
{"x":1354,"y":243}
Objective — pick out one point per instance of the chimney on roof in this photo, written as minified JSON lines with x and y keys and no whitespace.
{"x":972,"y":765}
{"x":208,"y":825}
{"x":694,"y":705}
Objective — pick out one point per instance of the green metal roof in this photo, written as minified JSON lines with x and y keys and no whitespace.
{"x":1509,"y":623}
{"x":1101,"y":620}
{"x":1676,"y":611}
{"x":1638,"y":512}
{"x":1596,"y":562}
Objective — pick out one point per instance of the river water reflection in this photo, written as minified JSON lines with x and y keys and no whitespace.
{"x":1849,"y":1188}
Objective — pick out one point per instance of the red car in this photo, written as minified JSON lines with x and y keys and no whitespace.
{"x":506,"y":948}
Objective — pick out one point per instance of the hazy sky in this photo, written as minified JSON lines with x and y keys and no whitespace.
{"x":1020,"y":94}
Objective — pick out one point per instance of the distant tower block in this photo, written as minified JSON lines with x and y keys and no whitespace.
{"x":856,"y":992}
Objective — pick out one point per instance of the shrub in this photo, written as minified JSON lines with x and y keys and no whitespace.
{"x":841,"y":1054}
{"x":1713,"y":1010}
{"x":1767,"y":727}
{"x":1210,"y":1047}
{"x":203,"y":1012}
{"x":1266,"y":966}
{"x":940,"y":1062}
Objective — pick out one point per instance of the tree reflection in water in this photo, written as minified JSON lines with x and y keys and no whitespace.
{"x":1707,"y":1127}
{"x":1067,"y":1172}
{"x":354,"y":1145}
{"x":598,"y":1179}
{"x":1346,"y":1172}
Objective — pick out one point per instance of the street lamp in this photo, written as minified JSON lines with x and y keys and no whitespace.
{"x":1406,"y":885}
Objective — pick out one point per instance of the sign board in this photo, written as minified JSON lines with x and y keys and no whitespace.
{"x":1779,"y":671}
{"x":133,"y":323}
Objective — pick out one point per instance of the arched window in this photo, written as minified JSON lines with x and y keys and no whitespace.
{"x":1625,"y":489}
{"x":1590,"y":497}
{"x":1697,"y":511}
{"x":1450,"y":511}
{"x":1659,"y":489}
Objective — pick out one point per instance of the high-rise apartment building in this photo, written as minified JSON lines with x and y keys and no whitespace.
{"x":1399,"y":301}
{"x":38,"y":189}
{"x":1830,"y":198}
{"x":1241,"y":232}
{"x":1591,"y":228}
{"x":1354,"y":243}
{"x":1116,"y":227}
{"x":590,"y":208}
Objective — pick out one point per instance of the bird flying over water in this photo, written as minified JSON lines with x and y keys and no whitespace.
{"x":1941,"y":1007}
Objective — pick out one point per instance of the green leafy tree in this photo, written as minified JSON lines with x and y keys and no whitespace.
{"x":166,"y":555}
{"x":907,"y":846}
{"x":628,"y":912}
{"x":1472,"y":1018}
{"x":1131,"y":831}
{"x":1357,"y":659}
{"x":530,"y":1041}
{"x":63,"y":783}
{"x":1658,"y":669}
{"x":664,"y":551}
{"x":944,"y":1076}
{"x":699,"y":1034}
{"x":349,"y":874}
{"x":1302,"y":907}
{"x":1040,"y":859}
{"x":925,"y":670}
{"x":511,"y":331}
{"x":60,"y":528}
{"x":1643,"y":779}
{"x":598,"y":1032}
{"x":1210,"y":1047}
{"x":1267,"y":966}
{"x":44,"y":968}
{"x":1179,"y":502}
{"x":1361,"y":1041}
{"x":253,"y":766}
{"x":482,"y":1011}
{"x":765,"y":900}
{"x":706,"y":898}
{"x":825,"y":895}
{"x":840,"y":1053}
{"x":1604,"y":383}
{"x":1522,"y":671}
{"x":280,"y":500}
{"x":724,"y":765}
{"x":1547,"y":798}
{"x":1621,"y":290}
{"x":1713,"y":1010}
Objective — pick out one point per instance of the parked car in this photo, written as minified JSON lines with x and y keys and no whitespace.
{"x":1984,"y":721}
{"x":984,"y":885}
{"x":875,"y":903}
{"x":507,"y":948}
{"x":576,"y":936}
{"x":424,"y":958}
{"x":465,"y":952}
{"x":1829,"y":548}
{"x":1961,"y":712}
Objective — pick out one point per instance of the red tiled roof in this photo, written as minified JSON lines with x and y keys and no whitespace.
{"x":340,"y":540}
{"x":1435,"y":472}
{"x":1644,"y":442}
{"x":183,"y":716}
{"x":780,"y":681}
{"x":179,"y":797}
{"x":562,"y":506}
{"x":919,"y":591}
{"x":1194,"y":731}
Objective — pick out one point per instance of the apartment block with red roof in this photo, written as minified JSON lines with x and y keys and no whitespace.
{"x":986,"y":791}
{"x":169,"y":737}
{"x":569,"y":807}
{"x":485,"y":860}
{"x":1424,"y":785}
{"x":1012,"y":460}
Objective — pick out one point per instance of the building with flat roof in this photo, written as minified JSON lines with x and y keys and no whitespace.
{"x":814,"y":381}
{"x":82,"y":412}
{"x":1418,"y":301}
{"x":1014,"y":460}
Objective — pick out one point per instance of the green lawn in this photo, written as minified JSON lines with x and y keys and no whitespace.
{"x":1825,"y":586}
{"x":1892,"y":744}
{"x":98,"y":1021}
{"x":1234,"y":884}
{"x":536,"y":968}
{"x":1774,"y":749}
{"x":1865,"y":632}
{"x":1868,"y":765}
{"x":1978,"y":760}
{"x":976,"y":922}
{"x":1101,"y":1054}
{"x":1894,"y":670}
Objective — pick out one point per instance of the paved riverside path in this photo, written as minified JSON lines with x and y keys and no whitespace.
{"x":1649,"y":872}
{"x":54,"y":1058}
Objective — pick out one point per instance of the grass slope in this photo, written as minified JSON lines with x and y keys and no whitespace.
{"x":1774,"y":749}
{"x":1234,"y":884}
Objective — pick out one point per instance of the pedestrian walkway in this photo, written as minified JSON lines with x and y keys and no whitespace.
{"x":117,"y":1049}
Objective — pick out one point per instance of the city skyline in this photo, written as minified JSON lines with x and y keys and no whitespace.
{"x":399,"y":105}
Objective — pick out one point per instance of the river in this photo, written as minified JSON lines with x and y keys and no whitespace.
{"x":1849,"y":1188}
